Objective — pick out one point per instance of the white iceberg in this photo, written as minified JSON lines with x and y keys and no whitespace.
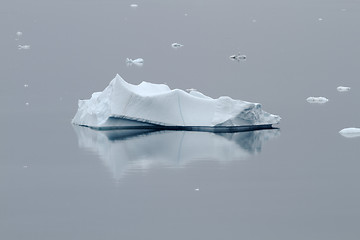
{"x":317,"y":99}
{"x":148,"y":105}
{"x":134,"y":5}
{"x":350,"y":132}
{"x":343,"y":89}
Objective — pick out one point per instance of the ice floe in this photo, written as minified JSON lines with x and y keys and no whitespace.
{"x":238,"y":57}
{"x":149,"y":105}
{"x":137,"y":61}
{"x":23,"y":47}
{"x":317,"y":100}
{"x":343,"y":89}
{"x":350,"y":132}
{"x":134,"y":5}
{"x":176,"y":45}
{"x":18,"y":35}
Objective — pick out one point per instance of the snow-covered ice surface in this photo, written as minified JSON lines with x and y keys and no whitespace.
{"x":139,"y":149}
{"x":123,"y":105}
{"x":350,"y":132}
{"x":343,"y":89}
{"x":317,"y":99}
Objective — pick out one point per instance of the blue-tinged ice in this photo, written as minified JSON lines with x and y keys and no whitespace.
{"x":350,"y":132}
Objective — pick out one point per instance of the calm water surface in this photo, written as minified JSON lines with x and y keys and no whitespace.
{"x":59,"y":181}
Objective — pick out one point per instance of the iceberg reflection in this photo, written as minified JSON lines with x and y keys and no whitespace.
{"x":123,"y":151}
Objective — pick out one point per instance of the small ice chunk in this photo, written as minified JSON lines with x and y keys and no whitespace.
{"x":138,"y":61}
{"x":134,"y":5}
{"x":25,"y":166}
{"x":25,"y":85}
{"x":197,"y":189}
{"x":176,"y":45}
{"x":23,"y":47}
{"x":320,"y":19}
{"x":317,"y":99}
{"x":18,"y":34}
{"x":27,"y":104}
{"x":343,"y":89}
{"x":191,"y":89}
{"x":254,"y":20}
{"x":350,"y":132}
{"x":185,"y":14}
{"x":238,"y":57}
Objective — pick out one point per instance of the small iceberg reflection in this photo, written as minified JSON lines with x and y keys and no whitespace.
{"x":124,"y":151}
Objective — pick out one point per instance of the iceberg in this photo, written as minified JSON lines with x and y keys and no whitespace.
{"x":126,"y":106}
{"x":350,"y":132}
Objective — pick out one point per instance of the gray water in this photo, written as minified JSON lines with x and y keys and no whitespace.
{"x":58,"y":181}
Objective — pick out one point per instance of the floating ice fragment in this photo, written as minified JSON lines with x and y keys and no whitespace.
{"x":320,"y":19}
{"x":18,"y":34}
{"x":350,"y":132}
{"x":191,"y":89}
{"x":238,"y":57}
{"x":23,"y":47}
{"x":138,"y":61}
{"x":27,"y":104}
{"x":176,"y":45}
{"x":185,"y":14}
{"x":25,"y":85}
{"x":197,"y":189}
{"x":25,"y":166}
{"x":254,"y":20}
{"x":317,"y":99}
{"x":157,"y":106}
{"x":343,"y":89}
{"x":134,"y":5}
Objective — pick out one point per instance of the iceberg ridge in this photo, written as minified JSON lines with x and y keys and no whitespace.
{"x":122,"y":104}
